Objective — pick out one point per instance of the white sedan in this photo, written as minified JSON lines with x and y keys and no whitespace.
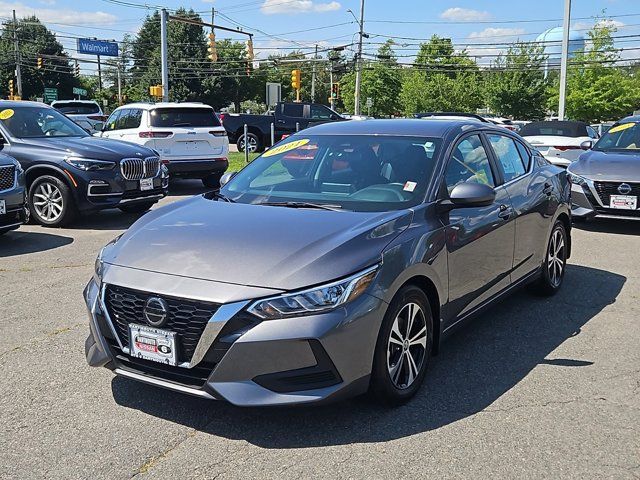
{"x":561,"y":142}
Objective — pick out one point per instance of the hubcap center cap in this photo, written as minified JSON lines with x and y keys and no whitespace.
{"x":405,"y":345}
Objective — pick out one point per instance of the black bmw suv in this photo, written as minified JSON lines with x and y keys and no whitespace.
{"x":68,"y":172}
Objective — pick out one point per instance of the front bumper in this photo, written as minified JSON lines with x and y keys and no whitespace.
{"x":317,"y":358}
{"x":586,"y":203}
{"x":16,"y":213}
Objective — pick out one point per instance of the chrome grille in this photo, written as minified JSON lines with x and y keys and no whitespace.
{"x":7,"y":177}
{"x":138,"y":168}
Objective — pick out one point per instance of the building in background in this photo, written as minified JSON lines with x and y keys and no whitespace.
{"x":551,"y":41}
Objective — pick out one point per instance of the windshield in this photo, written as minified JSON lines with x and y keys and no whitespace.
{"x":351,"y":172}
{"x":559,"y":129}
{"x":36,"y":122}
{"x":625,"y":136}
{"x":80,"y":108}
{"x":184,"y":117}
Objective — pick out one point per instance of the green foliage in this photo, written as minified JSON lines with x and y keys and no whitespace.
{"x":518,"y":88}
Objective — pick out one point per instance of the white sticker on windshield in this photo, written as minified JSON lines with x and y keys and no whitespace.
{"x":410,"y":186}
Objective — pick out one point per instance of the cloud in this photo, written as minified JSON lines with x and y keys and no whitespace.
{"x":464,"y":15}
{"x":271,"y":7}
{"x":492,"y":32}
{"x":59,"y":15}
{"x":605,"y":22}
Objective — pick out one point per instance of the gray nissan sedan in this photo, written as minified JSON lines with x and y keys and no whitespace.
{"x":332,"y":265}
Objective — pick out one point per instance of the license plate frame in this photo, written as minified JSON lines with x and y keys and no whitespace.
{"x":153,"y":344}
{"x":623,"y":202}
{"x":3,"y":207}
{"x":146,"y":184}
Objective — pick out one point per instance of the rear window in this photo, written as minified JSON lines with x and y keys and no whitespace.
{"x":77,"y":108}
{"x":560,"y":129}
{"x":184,"y":117}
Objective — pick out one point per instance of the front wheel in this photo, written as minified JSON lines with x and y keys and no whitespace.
{"x":253,"y":142}
{"x":51,"y":202}
{"x":136,"y":207}
{"x":555,"y":261}
{"x":403,"y":348}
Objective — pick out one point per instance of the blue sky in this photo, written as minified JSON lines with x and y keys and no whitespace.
{"x":286,"y":24}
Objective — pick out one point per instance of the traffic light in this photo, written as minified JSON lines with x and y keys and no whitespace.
{"x":155,"y":90}
{"x":39,"y":64}
{"x":213,"y":52}
{"x":11,"y":89}
{"x":335,"y":90}
{"x":295,"y":79}
{"x":250,"y":49}
{"x":76,"y":69}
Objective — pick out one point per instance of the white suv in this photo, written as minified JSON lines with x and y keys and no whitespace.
{"x":188,"y":137}
{"x":86,"y":113}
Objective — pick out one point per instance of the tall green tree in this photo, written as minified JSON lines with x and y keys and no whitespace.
{"x":517,"y":88}
{"x":439,"y":56}
{"x":34,"y":40}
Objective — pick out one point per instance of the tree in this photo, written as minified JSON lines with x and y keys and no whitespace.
{"x":596,"y":89}
{"x":380,"y":81}
{"x":34,"y":40}
{"x":439,"y":56}
{"x":517,"y":88}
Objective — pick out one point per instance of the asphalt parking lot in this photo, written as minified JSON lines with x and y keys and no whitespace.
{"x":535,"y":388}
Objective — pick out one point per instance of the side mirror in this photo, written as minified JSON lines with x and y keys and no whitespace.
{"x":586,"y":145}
{"x":98,"y":126}
{"x":226,"y":177}
{"x":333,"y":116}
{"x":472,"y":195}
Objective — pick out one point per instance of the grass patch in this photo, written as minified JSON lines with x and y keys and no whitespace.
{"x":236,"y":160}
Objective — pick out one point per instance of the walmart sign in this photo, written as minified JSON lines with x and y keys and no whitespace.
{"x":97,"y":47}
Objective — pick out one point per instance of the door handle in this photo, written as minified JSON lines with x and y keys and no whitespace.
{"x":548,"y":188}
{"x":280,"y":121}
{"x":505,"y":212}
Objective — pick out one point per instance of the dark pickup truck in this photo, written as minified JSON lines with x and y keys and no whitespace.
{"x":284,"y":117}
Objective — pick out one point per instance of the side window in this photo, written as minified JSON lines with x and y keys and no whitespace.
{"x":132,"y":120}
{"x":121,"y":121}
{"x":319,"y":112}
{"x":507,"y":152}
{"x":293,"y":110}
{"x":469,"y":163}
{"x":111,"y":121}
{"x":524,"y":154}
{"x":591,"y":132}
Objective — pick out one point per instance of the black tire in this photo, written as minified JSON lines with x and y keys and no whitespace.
{"x":255,"y":144}
{"x":553,"y":271}
{"x":136,"y":207}
{"x":398,"y":391}
{"x":212,"y":181}
{"x":64,"y":200}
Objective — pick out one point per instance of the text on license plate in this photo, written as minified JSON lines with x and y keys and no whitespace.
{"x":146,"y":184}
{"x":3,"y":207}
{"x":624,"y":202}
{"x":153,"y":344}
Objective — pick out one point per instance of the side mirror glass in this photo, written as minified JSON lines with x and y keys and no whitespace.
{"x":98,"y":126}
{"x":333,"y":116}
{"x":586,"y":145}
{"x":226,"y":177}
{"x":472,"y":195}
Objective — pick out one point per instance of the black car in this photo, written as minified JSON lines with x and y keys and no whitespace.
{"x":12,"y":194}
{"x":69,"y":172}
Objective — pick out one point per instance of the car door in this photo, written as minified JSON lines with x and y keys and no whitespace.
{"x":290,"y":114}
{"x":319,"y":114}
{"x":113,"y":122}
{"x":479,"y":240}
{"x":533,"y":198}
{"x":128,"y":125}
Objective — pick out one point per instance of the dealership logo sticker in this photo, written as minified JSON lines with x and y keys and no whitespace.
{"x":156,"y":311}
{"x":6,"y":114}
{"x":285,"y":148}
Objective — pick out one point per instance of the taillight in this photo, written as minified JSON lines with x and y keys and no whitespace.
{"x":155,"y":134}
{"x":567,"y":147}
{"x":221,"y":117}
{"x":218,"y":134}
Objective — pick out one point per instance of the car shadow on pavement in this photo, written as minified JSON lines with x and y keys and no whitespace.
{"x":186,"y":187}
{"x":475,"y":367}
{"x":21,"y":242}
{"x":605,"y":225}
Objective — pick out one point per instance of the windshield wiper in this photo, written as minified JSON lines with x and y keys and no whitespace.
{"x":222,"y":197}
{"x":319,"y":206}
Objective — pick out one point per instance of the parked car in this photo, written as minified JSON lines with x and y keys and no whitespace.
{"x":188,"y":136}
{"x":343,"y":278}
{"x":286,"y":117}
{"x":86,"y":113}
{"x":12,"y":193}
{"x":601,"y":128}
{"x":558,"y":141}
{"x":69,"y":172}
{"x":605,"y":181}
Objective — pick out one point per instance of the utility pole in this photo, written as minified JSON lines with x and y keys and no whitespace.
{"x":313,"y":77}
{"x":333,"y":102}
{"x":359,"y":60}
{"x":564,"y":59}
{"x":17,"y":54}
{"x":119,"y":83}
{"x":99,"y":76}
{"x":164,"y":55}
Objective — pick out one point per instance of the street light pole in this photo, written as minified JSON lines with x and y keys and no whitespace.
{"x":359,"y":61}
{"x":564,"y":59}
{"x":164,"y":55}
{"x":17,"y":55}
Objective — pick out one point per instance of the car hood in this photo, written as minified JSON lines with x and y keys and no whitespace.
{"x":90,"y":147}
{"x":255,"y":245}
{"x":608,"y":166}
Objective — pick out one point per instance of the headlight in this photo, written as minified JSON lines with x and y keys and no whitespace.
{"x":314,"y":300}
{"x":577,"y":179}
{"x":89,"y":164}
{"x":97,"y":267}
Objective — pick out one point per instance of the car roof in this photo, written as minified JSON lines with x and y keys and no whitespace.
{"x":630,"y":118}
{"x":71,"y":100}
{"x":151,"y":106}
{"x":21,"y":103}
{"x":396,"y":127}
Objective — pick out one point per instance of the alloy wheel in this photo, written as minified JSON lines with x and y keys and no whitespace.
{"x":48,"y":202}
{"x":253,"y":143}
{"x":407,"y":346}
{"x":556,"y":257}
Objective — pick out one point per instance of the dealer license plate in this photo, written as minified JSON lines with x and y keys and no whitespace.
{"x":146,"y":184}
{"x":153,"y":344}
{"x":624,"y":202}
{"x":3,"y":207}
